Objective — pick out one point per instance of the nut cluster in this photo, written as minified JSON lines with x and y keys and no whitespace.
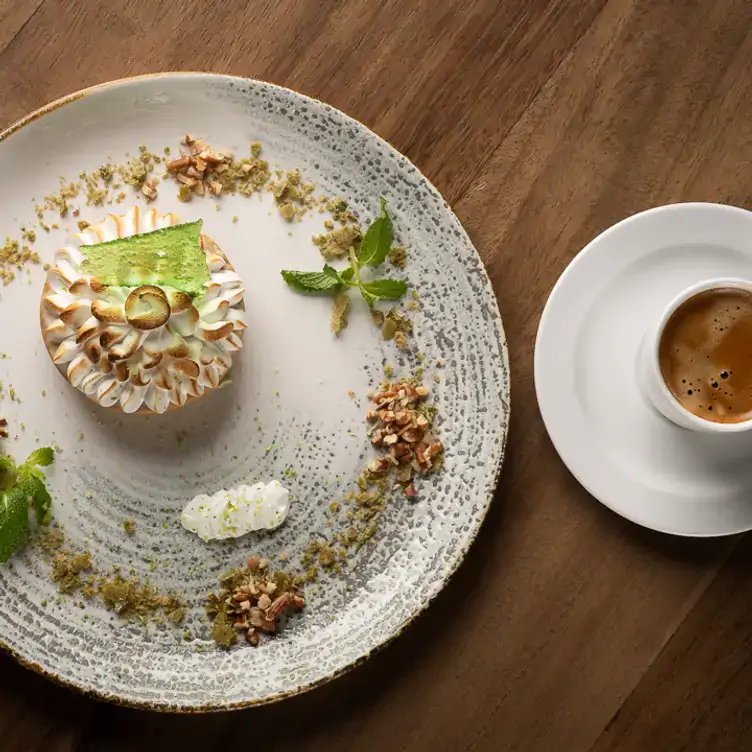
{"x":253,"y":599}
{"x":404,"y":430}
{"x":197,"y":168}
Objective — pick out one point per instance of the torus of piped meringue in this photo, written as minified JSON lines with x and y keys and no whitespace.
{"x":144,"y":348}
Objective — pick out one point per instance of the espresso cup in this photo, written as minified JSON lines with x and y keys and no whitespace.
{"x":651,"y":374}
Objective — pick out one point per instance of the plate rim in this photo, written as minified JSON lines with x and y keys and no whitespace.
{"x":505,"y":398}
{"x":565,"y":454}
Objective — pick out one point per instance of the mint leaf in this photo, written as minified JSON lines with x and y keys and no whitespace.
{"x":42,"y":456}
{"x":347,"y":275}
{"x":14,"y":523}
{"x":7,"y":471}
{"x":313,"y":282}
{"x":33,"y":487}
{"x":385,"y":289}
{"x":378,"y":239}
{"x":331,"y":272}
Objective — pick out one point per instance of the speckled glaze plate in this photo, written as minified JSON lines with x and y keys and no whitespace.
{"x":287,"y":408}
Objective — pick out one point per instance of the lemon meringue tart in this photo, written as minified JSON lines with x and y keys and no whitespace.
{"x":142,"y":313}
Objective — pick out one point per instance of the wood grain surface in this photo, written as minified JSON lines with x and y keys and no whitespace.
{"x":542,"y":122}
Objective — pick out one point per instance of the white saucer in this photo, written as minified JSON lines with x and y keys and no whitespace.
{"x":613,"y":441}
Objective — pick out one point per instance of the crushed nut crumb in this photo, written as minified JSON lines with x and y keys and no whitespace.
{"x":340,"y":309}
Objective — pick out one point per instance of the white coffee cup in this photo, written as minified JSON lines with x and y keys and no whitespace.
{"x":650,"y":370}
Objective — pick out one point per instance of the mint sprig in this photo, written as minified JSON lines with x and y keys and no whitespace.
{"x":373,"y":251}
{"x":22,"y":486}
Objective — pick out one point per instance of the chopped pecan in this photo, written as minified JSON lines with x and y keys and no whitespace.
{"x":252,"y":637}
{"x":278,"y":606}
{"x":149,"y":190}
{"x":178,"y":164}
{"x":433,"y":450}
{"x":186,"y":180}
{"x":267,"y":587}
{"x":259,"y":620}
{"x":419,"y":454}
{"x":412,"y":435}
{"x":212,"y":157}
{"x":379,"y":466}
{"x":401,"y":452}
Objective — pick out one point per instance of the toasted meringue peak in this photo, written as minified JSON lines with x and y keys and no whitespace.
{"x":57,"y":331}
{"x":179,"y":301}
{"x":78,"y":287}
{"x":66,"y":351}
{"x":57,"y":302}
{"x":93,"y":350}
{"x":141,"y":348}
{"x":107,"y":312}
{"x":87,"y":330}
{"x":214,"y":331}
{"x":146,"y":308}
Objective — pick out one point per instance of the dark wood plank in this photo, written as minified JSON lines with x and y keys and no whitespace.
{"x":697,"y":696}
{"x":617,"y":129}
{"x":544,"y":122}
{"x":14,"y":15}
{"x":476,"y":66}
{"x":37,"y":715}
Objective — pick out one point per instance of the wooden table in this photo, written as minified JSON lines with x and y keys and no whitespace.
{"x":542,"y":123}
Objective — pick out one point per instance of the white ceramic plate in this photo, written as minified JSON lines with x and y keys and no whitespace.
{"x":613,"y":441}
{"x":287,"y":407}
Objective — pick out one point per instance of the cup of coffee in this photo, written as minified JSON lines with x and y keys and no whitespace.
{"x":696,"y":362}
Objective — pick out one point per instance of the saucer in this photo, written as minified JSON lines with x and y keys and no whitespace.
{"x":617,"y":445}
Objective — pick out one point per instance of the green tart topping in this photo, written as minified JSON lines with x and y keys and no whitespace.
{"x":169,"y":257}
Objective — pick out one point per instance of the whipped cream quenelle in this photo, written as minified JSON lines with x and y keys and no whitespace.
{"x":143,"y":348}
{"x":230,"y":514}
